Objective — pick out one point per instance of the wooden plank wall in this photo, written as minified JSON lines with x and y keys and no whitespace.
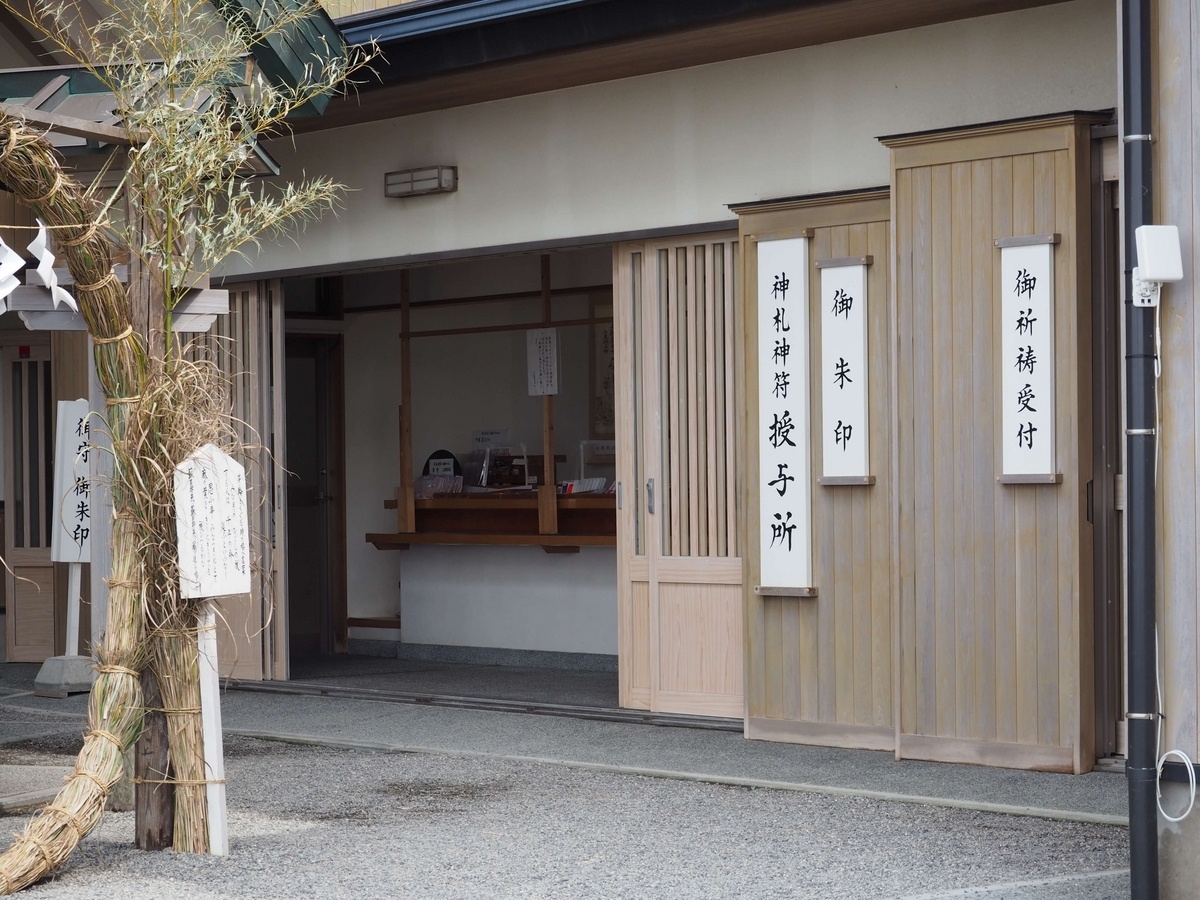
{"x":1177,"y":202}
{"x":820,"y":670}
{"x":996,"y":662}
{"x":240,"y":344}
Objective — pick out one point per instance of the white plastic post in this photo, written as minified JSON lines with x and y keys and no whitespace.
{"x":210,"y":715}
{"x":74,"y":578}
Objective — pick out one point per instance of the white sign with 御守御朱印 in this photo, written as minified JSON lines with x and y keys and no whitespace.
{"x":785,"y":527}
{"x":844,"y":428}
{"x":1027,"y":359}
{"x":212,"y":525}
{"x":70,"y":540}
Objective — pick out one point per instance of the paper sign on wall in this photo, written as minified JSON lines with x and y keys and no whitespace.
{"x":70,"y":540}
{"x":785,"y":528}
{"x":489,"y":437}
{"x":1027,"y":359}
{"x":844,"y":425}
{"x":212,"y":525}
{"x":542,"y":351}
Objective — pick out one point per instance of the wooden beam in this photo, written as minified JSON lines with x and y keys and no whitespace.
{"x":484,"y":298}
{"x":406,"y":516}
{"x":155,"y":804}
{"x":30,"y":49}
{"x":72,"y":125}
{"x":515,"y":326}
{"x":547,"y":492}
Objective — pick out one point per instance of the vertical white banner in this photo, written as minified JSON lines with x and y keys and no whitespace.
{"x":1027,"y":359}
{"x":844,"y":425}
{"x":70,"y":540}
{"x":785,"y":526}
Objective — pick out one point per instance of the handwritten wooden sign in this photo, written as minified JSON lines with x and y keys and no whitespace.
{"x":845,"y":433}
{"x":1027,"y":359}
{"x":70,"y":540}
{"x":785,"y":504}
{"x":212,"y":525}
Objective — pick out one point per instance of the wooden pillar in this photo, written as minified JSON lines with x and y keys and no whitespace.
{"x":155,"y":803}
{"x":406,"y":521}
{"x":547,"y":495}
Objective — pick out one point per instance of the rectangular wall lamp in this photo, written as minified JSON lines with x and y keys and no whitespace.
{"x":416,"y":182}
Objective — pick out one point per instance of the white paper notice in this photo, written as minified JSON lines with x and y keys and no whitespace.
{"x":1027,"y":359}
{"x":70,"y":541}
{"x":542,"y":351}
{"x":785,"y":527}
{"x":212,"y":525}
{"x":844,"y":426}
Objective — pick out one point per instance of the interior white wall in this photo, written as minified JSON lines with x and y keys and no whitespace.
{"x":673,"y":148}
{"x":513,"y":597}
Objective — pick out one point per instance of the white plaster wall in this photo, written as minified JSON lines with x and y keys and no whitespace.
{"x":513,"y":597}
{"x":674,"y":148}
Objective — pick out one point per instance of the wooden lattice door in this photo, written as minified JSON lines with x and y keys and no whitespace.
{"x":680,"y":572}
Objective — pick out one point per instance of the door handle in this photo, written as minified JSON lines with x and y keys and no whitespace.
{"x":650,"y":496}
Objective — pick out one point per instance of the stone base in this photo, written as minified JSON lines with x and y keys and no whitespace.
{"x":63,"y":675}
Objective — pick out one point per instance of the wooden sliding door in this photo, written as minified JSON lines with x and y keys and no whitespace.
{"x":247,"y":345}
{"x":679,"y":569}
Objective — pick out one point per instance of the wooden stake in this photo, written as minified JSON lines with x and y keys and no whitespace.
{"x":154,"y":816}
{"x":547,"y":492}
{"x":406,"y":516}
{"x":210,"y":717}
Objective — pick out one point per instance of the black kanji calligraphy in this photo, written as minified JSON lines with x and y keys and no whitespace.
{"x":1026,"y":359}
{"x":1025,"y":397}
{"x":1025,"y":283}
{"x":782,"y":349}
{"x":1025,"y":435}
{"x":1025,"y":320}
{"x":83,"y":511}
{"x":841,"y":373}
{"x":842,"y":302}
{"x":780,"y":484}
{"x":781,"y":530}
{"x":782,"y":382}
{"x":780,"y":288}
{"x":841,"y":434}
{"x":780,"y":320}
{"x":781,"y":430}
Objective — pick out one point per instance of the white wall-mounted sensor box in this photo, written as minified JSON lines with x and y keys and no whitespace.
{"x":1158,"y":256}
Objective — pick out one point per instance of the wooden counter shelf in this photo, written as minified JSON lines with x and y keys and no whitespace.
{"x":585,"y":520}
{"x":550,"y":542}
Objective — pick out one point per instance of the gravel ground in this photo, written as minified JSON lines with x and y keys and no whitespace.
{"x":308,"y":822}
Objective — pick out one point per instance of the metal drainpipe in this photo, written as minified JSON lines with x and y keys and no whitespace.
{"x":1140,"y":436}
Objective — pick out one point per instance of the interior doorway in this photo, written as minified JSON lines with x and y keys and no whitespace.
{"x":316,"y":507}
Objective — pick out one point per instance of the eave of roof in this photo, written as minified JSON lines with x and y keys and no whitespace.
{"x":537,"y":47}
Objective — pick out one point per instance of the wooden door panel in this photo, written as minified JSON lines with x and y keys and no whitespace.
{"x":31,"y":614}
{"x":700,"y":646}
{"x":639,"y":649}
